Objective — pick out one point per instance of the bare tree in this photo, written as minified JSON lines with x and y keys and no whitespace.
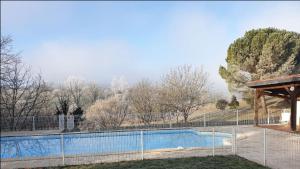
{"x":21,"y":92}
{"x":93,"y":92}
{"x":75,"y":87}
{"x":8,"y":57}
{"x":62,"y":100}
{"x":21,"y":95}
{"x":184,"y":89}
{"x":108,"y":113}
{"x":142,"y":100}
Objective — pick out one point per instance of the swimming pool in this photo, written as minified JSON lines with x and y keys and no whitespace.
{"x":99,"y":143}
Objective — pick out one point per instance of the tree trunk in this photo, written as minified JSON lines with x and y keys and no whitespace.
{"x":264,"y":104}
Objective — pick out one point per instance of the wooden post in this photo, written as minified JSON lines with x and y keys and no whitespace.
{"x":256,"y":98}
{"x":293,"y":95}
{"x":293,"y":120}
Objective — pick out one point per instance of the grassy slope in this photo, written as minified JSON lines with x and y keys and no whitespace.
{"x":217,"y":162}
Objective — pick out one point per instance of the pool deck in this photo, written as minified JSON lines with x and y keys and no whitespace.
{"x":283,"y":150}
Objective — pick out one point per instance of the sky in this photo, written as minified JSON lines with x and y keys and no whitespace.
{"x":99,"y":41}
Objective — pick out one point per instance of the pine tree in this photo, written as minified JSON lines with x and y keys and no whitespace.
{"x":260,"y":54}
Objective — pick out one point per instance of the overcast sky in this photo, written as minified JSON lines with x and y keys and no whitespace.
{"x":98,"y":41}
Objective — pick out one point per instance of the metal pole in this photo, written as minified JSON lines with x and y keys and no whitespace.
{"x":62,"y":148}
{"x":213,"y":134}
{"x":237,"y":117}
{"x":265,"y":147}
{"x":233,"y":141}
{"x":142,"y":145}
{"x":170,"y":122}
{"x":268,"y":117}
{"x":204,"y":120}
{"x":33,"y":123}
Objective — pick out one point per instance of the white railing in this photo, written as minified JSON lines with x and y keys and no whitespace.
{"x":267,"y":147}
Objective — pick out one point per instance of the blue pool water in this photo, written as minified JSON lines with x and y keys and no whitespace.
{"x":105,"y":143}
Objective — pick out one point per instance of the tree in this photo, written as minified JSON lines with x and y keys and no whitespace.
{"x":93,"y":92}
{"x":119,"y":85}
{"x":108,"y":113}
{"x":62,"y":100}
{"x":234,"y":104}
{"x":260,"y":54}
{"x":184,"y":89}
{"x":8,"y":57}
{"x":75,"y":87}
{"x":142,"y":100}
{"x":21,"y":92}
{"x":221,"y":104}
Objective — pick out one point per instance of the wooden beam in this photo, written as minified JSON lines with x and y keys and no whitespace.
{"x":277,"y":86}
{"x":276,"y":95}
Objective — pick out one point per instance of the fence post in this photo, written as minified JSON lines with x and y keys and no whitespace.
{"x":213,"y":137}
{"x":62,"y":148}
{"x":33,"y":123}
{"x":142,"y":145}
{"x":204,"y":120}
{"x":237,"y":117}
{"x":170,"y":120}
{"x":265,"y":146}
{"x":269,"y":117}
{"x":233,"y":141}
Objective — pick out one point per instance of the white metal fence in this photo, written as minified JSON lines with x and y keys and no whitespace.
{"x":268,"y":147}
{"x":159,"y":120}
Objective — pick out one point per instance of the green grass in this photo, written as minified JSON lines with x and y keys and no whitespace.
{"x":217,"y":162}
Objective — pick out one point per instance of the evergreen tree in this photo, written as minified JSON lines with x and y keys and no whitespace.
{"x":221,"y":104}
{"x":234,"y":104}
{"x":260,"y":54}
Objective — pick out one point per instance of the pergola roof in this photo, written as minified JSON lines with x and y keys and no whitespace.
{"x":277,"y":87}
{"x":280,"y":81}
{"x":287,"y":87}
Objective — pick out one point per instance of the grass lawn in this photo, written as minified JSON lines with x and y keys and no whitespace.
{"x":217,"y":162}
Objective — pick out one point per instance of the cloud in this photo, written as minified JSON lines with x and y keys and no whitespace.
{"x":98,"y":60}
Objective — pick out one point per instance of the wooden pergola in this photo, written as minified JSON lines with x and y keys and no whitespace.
{"x":287,"y":87}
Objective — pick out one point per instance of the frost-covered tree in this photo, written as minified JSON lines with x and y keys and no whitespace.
{"x":108,"y":113}
{"x":185,"y":89}
{"x":119,"y":85}
{"x":142,"y":97}
{"x":93,"y":92}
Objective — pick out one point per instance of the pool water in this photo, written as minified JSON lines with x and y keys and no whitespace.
{"x":106,"y":143}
